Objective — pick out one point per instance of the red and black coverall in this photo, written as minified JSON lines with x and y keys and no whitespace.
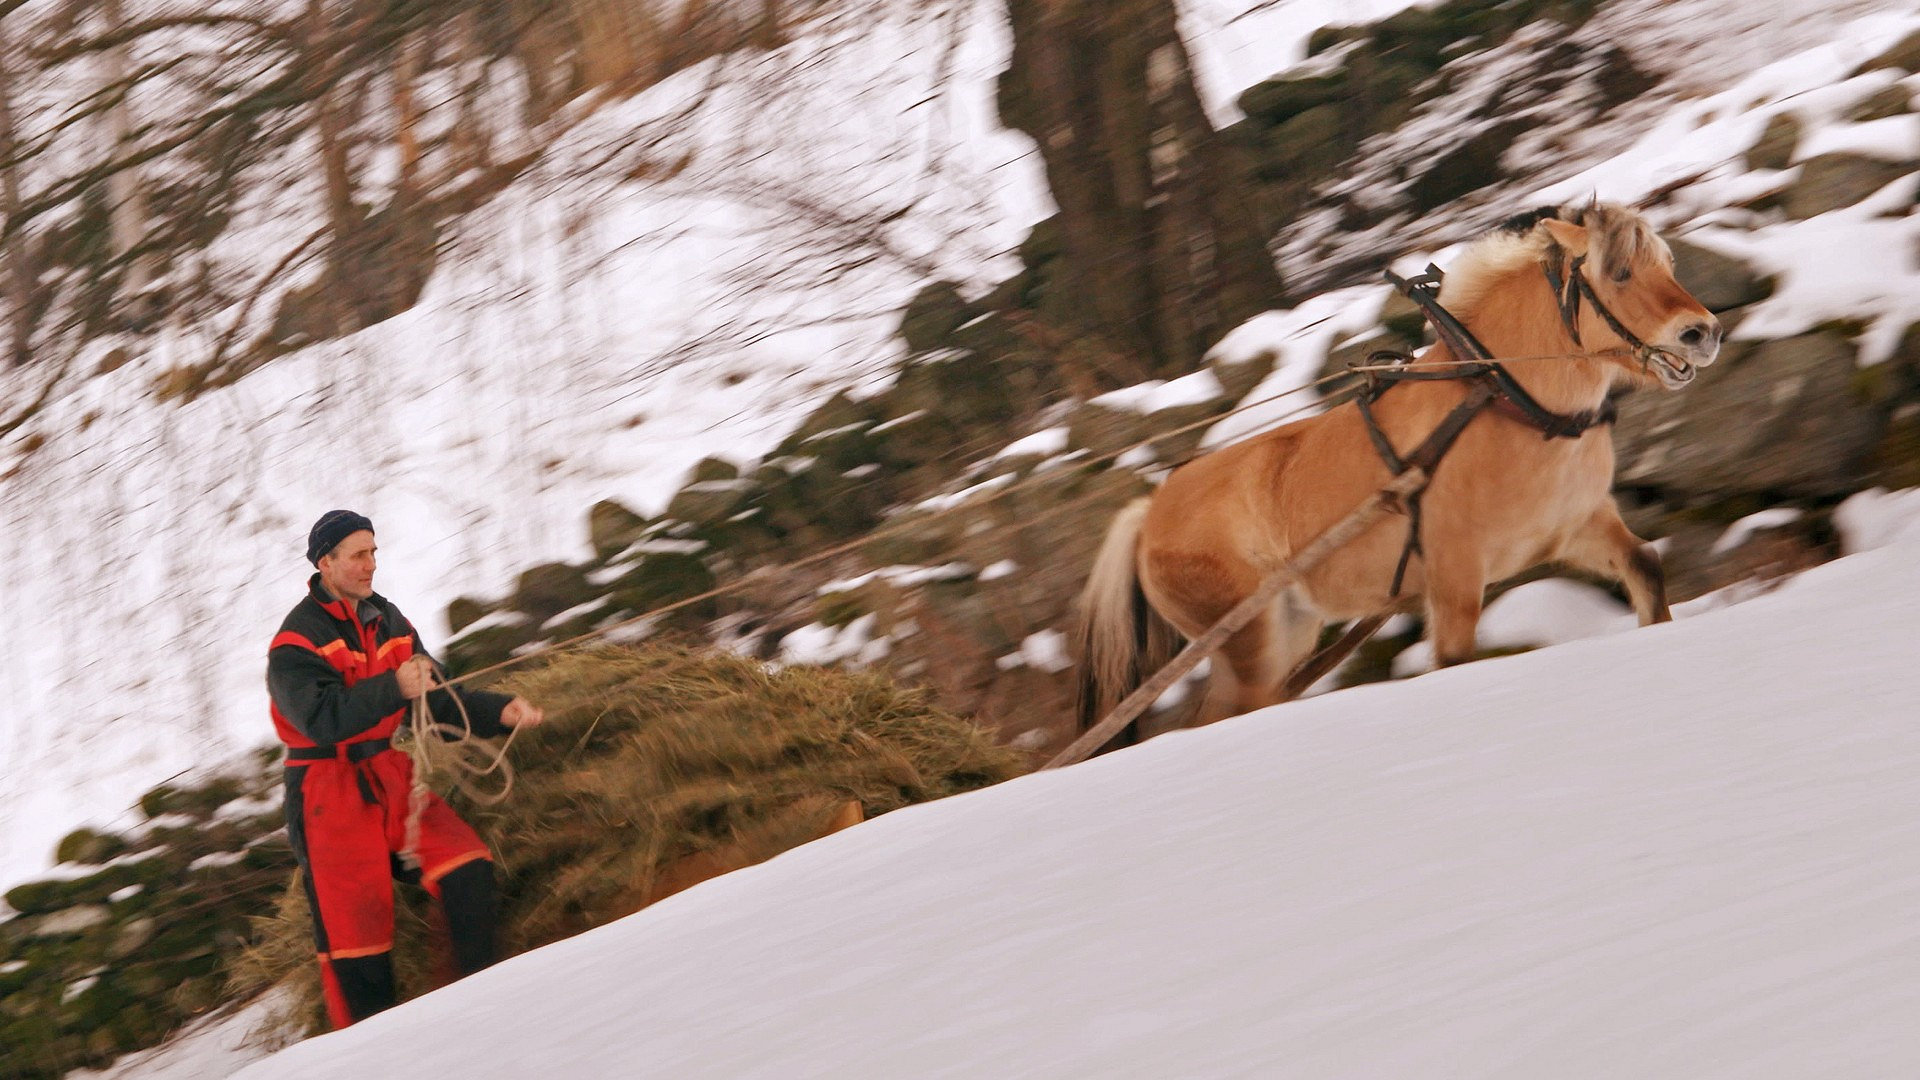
{"x":336,"y":703}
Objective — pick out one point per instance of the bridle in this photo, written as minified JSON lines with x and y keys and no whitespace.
{"x":1570,"y":284}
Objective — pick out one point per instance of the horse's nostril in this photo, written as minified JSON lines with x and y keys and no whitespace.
{"x":1692,"y":336}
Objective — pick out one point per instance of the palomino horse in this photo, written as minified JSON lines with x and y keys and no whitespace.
{"x":1519,"y":487}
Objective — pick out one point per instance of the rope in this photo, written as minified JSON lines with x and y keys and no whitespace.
{"x":464,"y":760}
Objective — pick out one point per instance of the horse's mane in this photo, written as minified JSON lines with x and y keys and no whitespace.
{"x":1619,"y":240}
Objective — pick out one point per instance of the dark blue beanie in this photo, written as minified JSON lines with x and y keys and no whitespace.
{"x":333,"y":527}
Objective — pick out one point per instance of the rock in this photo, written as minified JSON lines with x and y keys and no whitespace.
{"x":1905,"y":56}
{"x":1895,"y":100}
{"x":1719,"y":281}
{"x":1831,"y":181}
{"x":164,"y":799}
{"x":463,"y":612}
{"x":1895,"y":462}
{"x":664,"y":577}
{"x":88,"y":846}
{"x":1179,"y":429}
{"x":1355,"y":351}
{"x":933,"y":314}
{"x":611,"y":527}
{"x":1308,"y":144}
{"x":1405,"y":322}
{"x":1780,"y":418}
{"x":1619,"y":79}
{"x":1471,"y":164}
{"x":842,"y":448}
{"x":1100,"y":430}
{"x":1777,"y":143}
{"x":131,"y":935}
{"x":551,"y":588}
{"x":963,"y":386}
{"x":1279,"y":99}
{"x":1239,"y":376}
{"x":709,"y":502}
{"x":72,"y":921}
{"x":836,"y":412}
{"x":914,"y":439}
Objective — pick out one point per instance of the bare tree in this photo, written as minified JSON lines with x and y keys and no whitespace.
{"x":1162,"y":254}
{"x":126,"y":194}
{"x":19,"y":287}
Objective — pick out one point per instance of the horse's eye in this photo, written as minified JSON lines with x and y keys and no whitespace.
{"x":1621,"y":275}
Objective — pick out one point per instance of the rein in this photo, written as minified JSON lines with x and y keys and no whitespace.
{"x":1493,"y":387}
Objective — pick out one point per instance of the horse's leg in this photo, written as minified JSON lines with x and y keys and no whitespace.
{"x":1605,"y":546}
{"x":1456,"y":587}
{"x":1262,"y":655}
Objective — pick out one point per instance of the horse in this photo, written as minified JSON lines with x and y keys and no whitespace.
{"x":1526,"y":482}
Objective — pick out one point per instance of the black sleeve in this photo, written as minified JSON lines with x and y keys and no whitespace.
{"x":483,"y":707}
{"x":314,"y":697}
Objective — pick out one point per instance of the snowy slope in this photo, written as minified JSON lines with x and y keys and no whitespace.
{"x":1689,"y":850}
{"x":147,"y":551}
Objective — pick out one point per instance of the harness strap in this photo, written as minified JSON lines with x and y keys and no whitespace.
{"x":1516,"y":403}
{"x":1493,"y":386}
{"x":1425,"y":457}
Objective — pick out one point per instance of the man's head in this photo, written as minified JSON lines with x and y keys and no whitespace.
{"x":341,"y":545}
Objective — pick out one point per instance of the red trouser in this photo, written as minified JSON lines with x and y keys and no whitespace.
{"x":347,"y":823}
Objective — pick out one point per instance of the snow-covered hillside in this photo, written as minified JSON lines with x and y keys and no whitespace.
{"x":1688,"y":850}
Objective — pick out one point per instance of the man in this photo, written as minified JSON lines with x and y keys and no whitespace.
{"x":341,"y":674}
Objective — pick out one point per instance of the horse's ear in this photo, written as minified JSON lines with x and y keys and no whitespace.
{"x":1572,"y":237}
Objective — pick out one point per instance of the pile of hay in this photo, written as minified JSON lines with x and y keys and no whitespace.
{"x":658,"y":767}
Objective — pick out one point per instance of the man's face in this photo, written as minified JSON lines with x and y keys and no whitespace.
{"x":347,"y":570}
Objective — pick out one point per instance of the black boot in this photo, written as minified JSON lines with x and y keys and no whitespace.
{"x":473,"y":908}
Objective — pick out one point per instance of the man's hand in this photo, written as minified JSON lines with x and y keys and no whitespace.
{"x":521,"y":712}
{"x":414,"y":675}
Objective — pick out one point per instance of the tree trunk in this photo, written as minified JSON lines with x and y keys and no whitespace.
{"x":406,"y":111}
{"x":19,"y":274}
{"x":126,"y":195}
{"x":1162,"y":252}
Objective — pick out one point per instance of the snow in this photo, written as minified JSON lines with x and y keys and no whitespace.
{"x":1045,"y":650}
{"x":1876,"y":518}
{"x":215,"y":1046}
{"x":1604,"y":859}
{"x":1237,"y":43}
{"x":854,"y":643}
{"x":1549,"y":612}
{"x":940,"y":503}
{"x":1299,"y":339}
{"x":1894,"y":138}
{"x":1742,"y":530}
{"x":902,"y":577}
{"x":213,"y":860}
{"x":1044,"y":443}
{"x":996,"y":571}
{"x":1199,"y":388}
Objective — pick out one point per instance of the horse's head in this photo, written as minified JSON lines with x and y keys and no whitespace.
{"x":1617,"y":293}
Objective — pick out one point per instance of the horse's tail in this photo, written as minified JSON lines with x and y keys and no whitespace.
{"x":1122,"y":639}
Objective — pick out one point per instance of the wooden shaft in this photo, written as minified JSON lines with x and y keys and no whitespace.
{"x":1343,"y":531}
{"x":1316,"y":666}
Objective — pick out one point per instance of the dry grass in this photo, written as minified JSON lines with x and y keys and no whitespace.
{"x":659,"y":766}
